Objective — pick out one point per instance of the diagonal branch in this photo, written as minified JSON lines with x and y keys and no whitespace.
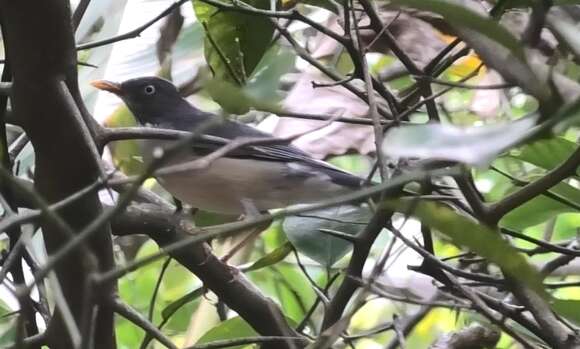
{"x":534,"y":189}
{"x":230,"y":286}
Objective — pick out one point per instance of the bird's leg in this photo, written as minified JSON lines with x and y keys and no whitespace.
{"x":178,"y":205}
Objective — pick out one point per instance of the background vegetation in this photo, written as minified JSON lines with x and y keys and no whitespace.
{"x":463,"y":114}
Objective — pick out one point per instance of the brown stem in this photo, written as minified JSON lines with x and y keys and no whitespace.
{"x":229,"y":285}
{"x":40,"y":46}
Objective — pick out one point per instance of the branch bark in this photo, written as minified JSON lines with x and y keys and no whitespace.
{"x":229,"y":285}
{"x":472,"y":337}
{"x":40,"y":46}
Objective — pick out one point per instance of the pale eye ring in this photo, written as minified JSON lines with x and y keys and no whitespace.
{"x":149,"y":90}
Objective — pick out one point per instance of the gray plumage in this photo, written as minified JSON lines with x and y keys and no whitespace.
{"x":263,"y":177}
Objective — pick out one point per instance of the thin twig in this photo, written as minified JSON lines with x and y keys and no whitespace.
{"x":538,"y":187}
{"x":462,"y":85}
{"x":226,"y":343}
{"x":156,"y":289}
{"x":135,"y":32}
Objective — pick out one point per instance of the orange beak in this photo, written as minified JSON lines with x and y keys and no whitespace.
{"x":109,"y":86}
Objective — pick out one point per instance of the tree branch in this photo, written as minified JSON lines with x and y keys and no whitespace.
{"x":135,"y":317}
{"x":64,"y":160}
{"x":361,"y":249}
{"x":232,"y":288}
{"x":472,"y":337}
{"x":533,"y":189}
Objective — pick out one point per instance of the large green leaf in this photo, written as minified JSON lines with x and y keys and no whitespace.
{"x":264,"y":81}
{"x":234,"y":328}
{"x":305,"y":231}
{"x":478,"y":238}
{"x":292,"y":290}
{"x":542,"y":208}
{"x":545,"y":153}
{"x":533,"y":212}
{"x":261,"y":90}
{"x":170,"y":309}
{"x":462,"y":16}
{"x":236,"y":100}
{"x":566,"y":226}
{"x":234,"y":42}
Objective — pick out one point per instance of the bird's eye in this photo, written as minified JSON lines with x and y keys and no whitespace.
{"x":149,"y":89}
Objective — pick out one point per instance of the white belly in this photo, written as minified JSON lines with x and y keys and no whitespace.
{"x":228,"y":182}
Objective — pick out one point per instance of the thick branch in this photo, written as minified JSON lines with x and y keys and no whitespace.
{"x":554,"y":332}
{"x":40,"y":45}
{"x":232,"y":288}
{"x":472,"y":337}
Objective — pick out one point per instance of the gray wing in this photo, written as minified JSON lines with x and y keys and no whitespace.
{"x":273,"y":152}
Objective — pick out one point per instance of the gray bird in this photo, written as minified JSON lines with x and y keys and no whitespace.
{"x":252,"y":178}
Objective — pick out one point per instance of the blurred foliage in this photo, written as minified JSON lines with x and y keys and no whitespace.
{"x":126,"y":154}
{"x":311,"y":233}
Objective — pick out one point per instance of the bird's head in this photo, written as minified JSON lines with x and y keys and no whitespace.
{"x":152,"y":100}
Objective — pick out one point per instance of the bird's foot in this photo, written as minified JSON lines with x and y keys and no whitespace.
{"x":178,"y":206}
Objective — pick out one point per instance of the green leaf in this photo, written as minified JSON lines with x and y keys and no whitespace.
{"x":461,"y":16}
{"x":170,"y":309}
{"x":261,"y":90}
{"x":533,"y":212}
{"x":291,"y":288}
{"x":545,"y":153}
{"x":234,"y":328}
{"x":567,"y":226}
{"x":478,"y":238}
{"x":543,"y":208}
{"x":271,"y":258}
{"x":568,"y":308}
{"x":304,"y":231}
{"x":264,"y":82}
{"x":236,"y":100}
{"x":471,"y":145}
{"x":234,"y":42}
